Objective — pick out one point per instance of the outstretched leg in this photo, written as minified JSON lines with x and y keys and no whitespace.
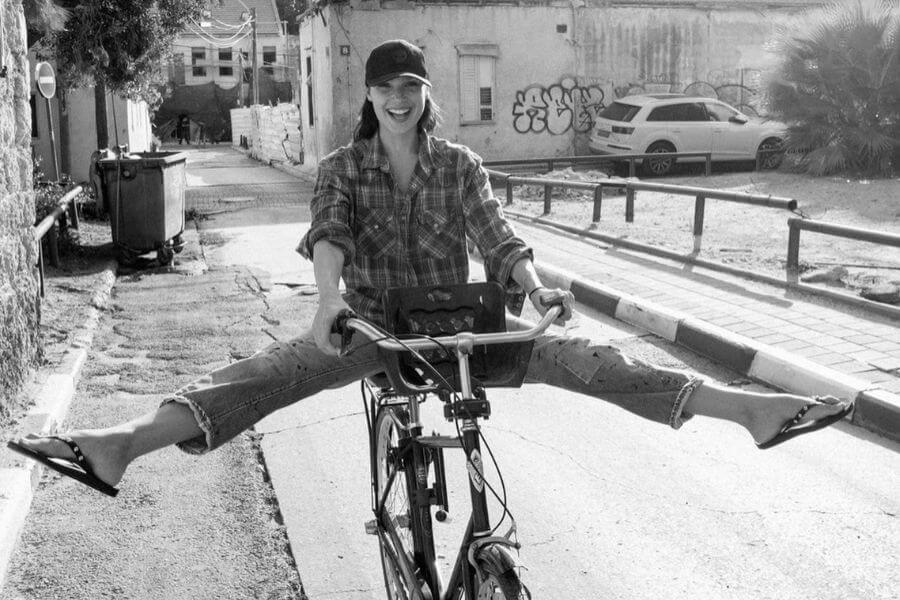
{"x":109,"y":451}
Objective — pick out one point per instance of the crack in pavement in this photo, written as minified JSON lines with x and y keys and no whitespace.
{"x":313,"y":423}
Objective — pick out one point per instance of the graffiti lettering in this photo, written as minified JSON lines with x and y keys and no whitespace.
{"x":557,"y":109}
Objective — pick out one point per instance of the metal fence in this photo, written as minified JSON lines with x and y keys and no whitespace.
{"x":632,"y":186}
{"x":597,"y":159}
{"x":48,"y":227}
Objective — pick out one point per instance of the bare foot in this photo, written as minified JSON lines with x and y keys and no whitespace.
{"x":105,"y":453}
{"x":772,"y":413}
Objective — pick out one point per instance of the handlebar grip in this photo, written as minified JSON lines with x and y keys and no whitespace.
{"x":339,"y":326}
{"x":340,"y":321}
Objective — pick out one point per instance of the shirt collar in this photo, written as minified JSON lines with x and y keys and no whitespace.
{"x":376,"y":158}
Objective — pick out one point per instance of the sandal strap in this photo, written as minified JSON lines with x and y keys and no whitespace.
{"x":79,"y":456}
{"x":797,"y":418}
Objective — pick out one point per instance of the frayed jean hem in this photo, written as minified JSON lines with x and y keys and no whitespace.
{"x":197,"y":445}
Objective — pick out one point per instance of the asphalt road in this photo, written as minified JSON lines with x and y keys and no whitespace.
{"x":607,"y":505}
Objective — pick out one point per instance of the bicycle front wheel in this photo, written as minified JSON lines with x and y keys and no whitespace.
{"x":500,"y":577}
{"x":396,"y":540}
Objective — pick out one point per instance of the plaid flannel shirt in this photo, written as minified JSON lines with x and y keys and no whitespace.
{"x":390,"y":239}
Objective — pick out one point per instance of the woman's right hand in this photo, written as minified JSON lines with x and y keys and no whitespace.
{"x":329,"y":307}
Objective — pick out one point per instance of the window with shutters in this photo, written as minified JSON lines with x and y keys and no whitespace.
{"x":225,"y":62}
{"x":198,"y":62}
{"x":269,"y":58}
{"x":476,"y":83}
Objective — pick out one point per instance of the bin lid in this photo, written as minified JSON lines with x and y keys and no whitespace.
{"x":147,"y":159}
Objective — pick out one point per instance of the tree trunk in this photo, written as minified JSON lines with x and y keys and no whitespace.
{"x":100,"y":115}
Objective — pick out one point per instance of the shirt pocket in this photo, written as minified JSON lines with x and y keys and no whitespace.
{"x":375,"y":236}
{"x":438,"y":234}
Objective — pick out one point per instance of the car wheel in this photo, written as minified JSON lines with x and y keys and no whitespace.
{"x":659,"y":166}
{"x":770,"y":153}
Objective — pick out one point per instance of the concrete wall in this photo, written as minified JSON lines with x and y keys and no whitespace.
{"x":127,"y":121}
{"x":74,"y":124}
{"x":558,"y":63}
{"x":272,"y":132}
{"x":19,"y":308}
{"x":326,"y":130}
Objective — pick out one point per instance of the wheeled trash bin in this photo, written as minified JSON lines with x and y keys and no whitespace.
{"x":144,"y":195}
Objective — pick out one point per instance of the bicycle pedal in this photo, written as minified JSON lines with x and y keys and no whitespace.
{"x":371,"y":527}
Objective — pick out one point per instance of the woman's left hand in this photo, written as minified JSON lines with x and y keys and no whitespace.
{"x":543,"y":298}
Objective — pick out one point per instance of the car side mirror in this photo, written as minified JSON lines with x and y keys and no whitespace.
{"x":739,"y":119}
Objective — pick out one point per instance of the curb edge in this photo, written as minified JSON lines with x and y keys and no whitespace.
{"x":54,"y":397}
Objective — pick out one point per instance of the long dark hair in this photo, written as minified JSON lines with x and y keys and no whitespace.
{"x":367,"y":126}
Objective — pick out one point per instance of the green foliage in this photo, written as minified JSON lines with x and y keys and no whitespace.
{"x":121,"y":44}
{"x":838,"y":88}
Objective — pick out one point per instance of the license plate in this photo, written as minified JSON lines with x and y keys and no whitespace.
{"x":604,"y":133}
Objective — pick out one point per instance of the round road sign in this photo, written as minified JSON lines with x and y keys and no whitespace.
{"x":46,"y":79}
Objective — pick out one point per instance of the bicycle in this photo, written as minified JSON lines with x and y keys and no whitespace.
{"x":438,"y":347}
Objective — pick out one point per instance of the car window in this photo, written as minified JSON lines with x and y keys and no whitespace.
{"x":619,"y":111}
{"x":685,"y":111}
{"x":719,"y":112}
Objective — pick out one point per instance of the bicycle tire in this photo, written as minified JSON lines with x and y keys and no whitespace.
{"x":387,"y":435}
{"x":500,"y":576}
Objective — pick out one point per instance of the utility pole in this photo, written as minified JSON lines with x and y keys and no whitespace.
{"x":253,"y":59}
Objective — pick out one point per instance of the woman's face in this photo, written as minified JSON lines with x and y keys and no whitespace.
{"x":398,"y":103}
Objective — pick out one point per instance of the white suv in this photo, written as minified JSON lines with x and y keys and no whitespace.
{"x":679,"y":123}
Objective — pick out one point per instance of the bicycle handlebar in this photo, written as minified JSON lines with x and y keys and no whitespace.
{"x":347,"y":322}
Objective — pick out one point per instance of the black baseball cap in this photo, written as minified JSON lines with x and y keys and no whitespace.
{"x":395,"y":58}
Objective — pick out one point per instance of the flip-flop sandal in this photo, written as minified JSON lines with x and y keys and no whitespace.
{"x":793,"y":428}
{"x":77,"y":469}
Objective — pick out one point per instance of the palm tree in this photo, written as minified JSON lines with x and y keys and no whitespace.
{"x":838,"y":88}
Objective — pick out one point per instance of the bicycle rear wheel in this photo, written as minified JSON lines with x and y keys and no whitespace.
{"x":390,"y":483}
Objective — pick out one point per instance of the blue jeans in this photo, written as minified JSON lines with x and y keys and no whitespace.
{"x":235,"y":397}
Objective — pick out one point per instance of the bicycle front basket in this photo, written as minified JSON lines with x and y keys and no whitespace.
{"x":450,"y":309}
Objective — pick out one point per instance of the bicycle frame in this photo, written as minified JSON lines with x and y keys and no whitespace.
{"x":417,"y":452}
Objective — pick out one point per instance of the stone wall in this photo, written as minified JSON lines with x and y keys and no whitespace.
{"x":19,"y":303}
{"x":271,"y":133}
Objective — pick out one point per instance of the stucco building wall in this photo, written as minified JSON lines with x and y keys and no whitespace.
{"x":557,"y":64}
{"x":19,"y":341}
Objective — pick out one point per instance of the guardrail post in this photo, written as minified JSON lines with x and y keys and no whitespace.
{"x":792,"y":268}
{"x":73,"y":213}
{"x":598,"y":201}
{"x":708,"y":164}
{"x":549,"y":165}
{"x":41,"y":265}
{"x":53,"y":245}
{"x":509,"y":191}
{"x":629,"y":203}
{"x":631,"y":169}
{"x":548,"y":195}
{"x":699,"y":210}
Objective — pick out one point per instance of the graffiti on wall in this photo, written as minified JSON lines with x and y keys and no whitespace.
{"x":567,"y":106}
{"x":558,"y":108}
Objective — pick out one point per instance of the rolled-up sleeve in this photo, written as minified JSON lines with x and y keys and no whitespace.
{"x":489,"y":230}
{"x":331,"y":208}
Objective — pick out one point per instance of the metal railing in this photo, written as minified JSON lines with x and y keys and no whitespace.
{"x":795,"y":225}
{"x":47,"y":227}
{"x":595,"y":159}
{"x":632,"y":186}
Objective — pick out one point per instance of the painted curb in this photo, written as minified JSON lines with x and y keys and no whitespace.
{"x":54,"y":397}
{"x":876,"y":409}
